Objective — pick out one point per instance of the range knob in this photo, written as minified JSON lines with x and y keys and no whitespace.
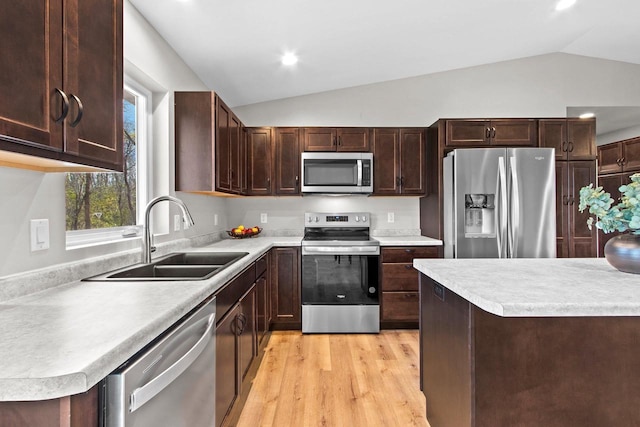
{"x":364,"y":218}
{"x":317,"y":219}
{"x":357,"y":218}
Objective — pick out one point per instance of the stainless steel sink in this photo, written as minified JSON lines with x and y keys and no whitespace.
{"x":176,"y":266}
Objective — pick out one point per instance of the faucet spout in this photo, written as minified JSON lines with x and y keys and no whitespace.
{"x":146,"y":242}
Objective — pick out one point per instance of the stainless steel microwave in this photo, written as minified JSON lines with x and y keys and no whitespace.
{"x":337,"y":173}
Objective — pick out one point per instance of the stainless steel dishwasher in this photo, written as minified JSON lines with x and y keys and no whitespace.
{"x":172,"y":383}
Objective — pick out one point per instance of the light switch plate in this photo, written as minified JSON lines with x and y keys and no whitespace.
{"x":391,"y":217}
{"x":263,"y":218}
{"x":39,"y":234}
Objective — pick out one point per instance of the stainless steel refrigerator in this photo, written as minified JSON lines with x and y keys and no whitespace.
{"x":500,"y":203}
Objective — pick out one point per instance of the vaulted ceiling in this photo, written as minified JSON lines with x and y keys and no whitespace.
{"x":235,"y":46}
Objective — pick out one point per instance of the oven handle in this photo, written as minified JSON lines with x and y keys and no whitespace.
{"x":342,"y":250}
{"x":143,"y":394}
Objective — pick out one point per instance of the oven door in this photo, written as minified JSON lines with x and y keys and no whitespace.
{"x":340,"y":293}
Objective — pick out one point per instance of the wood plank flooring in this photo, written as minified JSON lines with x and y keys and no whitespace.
{"x":337,"y":380}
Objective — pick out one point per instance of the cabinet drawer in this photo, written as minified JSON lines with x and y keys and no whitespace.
{"x":407,"y":254}
{"x":399,"y":277}
{"x":261,"y":265}
{"x":230,"y":294}
{"x":402,"y":306}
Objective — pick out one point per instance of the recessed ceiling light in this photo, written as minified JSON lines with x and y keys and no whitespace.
{"x":289,"y":58}
{"x":586,"y":115}
{"x":565,"y":4}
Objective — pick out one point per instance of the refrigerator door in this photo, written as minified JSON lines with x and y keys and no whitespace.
{"x":478,"y":189}
{"x":532,"y":211}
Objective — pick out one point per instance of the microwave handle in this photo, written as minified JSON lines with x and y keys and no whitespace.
{"x":359,"y":172}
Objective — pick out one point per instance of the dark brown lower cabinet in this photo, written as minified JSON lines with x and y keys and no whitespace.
{"x":399,"y":297}
{"x":263,"y":296}
{"x":79,"y":410}
{"x":285,"y":288}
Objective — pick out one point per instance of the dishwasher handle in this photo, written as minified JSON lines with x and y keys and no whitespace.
{"x":143,"y":394}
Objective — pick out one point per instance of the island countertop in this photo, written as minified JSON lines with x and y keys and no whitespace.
{"x":556,"y":287}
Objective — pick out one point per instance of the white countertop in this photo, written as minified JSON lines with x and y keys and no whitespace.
{"x":556,"y":287}
{"x":407,"y":241}
{"x":64,"y":340}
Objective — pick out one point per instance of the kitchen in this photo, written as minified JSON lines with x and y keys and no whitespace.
{"x":417,"y":101}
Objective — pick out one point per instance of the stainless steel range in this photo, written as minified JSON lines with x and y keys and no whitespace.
{"x":339,"y":274}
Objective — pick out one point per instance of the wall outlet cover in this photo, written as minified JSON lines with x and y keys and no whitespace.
{"x":263,"y":218}
{"x":215,"y":219}
{"x":391,"y":217}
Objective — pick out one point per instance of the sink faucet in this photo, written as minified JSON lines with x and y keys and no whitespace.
{"x":146,"y":242}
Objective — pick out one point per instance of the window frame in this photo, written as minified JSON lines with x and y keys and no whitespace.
{"x":97,"y":236}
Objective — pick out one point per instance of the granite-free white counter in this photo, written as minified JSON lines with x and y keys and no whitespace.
{"x":64,"y":340}
{"x":407,"y":241}
{"x":554,"y":287}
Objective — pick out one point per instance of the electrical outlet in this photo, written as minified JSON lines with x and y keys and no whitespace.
{"x":215,"y":219}
{"x":176,"y":222}
{"x":391,"y":217}
{"x":263,"y":218}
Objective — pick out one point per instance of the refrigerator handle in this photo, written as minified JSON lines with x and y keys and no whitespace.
{"x":515,"y":208}
{"x":501,"y":212}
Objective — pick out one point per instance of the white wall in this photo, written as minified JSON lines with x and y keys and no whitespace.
{"x":618,"y":135}
{"x":30,"y":195}
{"x":540,"y":86}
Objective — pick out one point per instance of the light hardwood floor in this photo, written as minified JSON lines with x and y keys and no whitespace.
{"x":337,"y":380}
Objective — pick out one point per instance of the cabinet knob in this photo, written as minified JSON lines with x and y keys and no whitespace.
{"x":493,"y":132}
{"x":623,"y":161}
{"x":65,"y":106}
{"x":408,"y":266}
{"x":570,"y":146}
{"x":487,"y":133}
{"x":564,"y":146}
{"x":339,"y":140}
{"x":408,"y":250}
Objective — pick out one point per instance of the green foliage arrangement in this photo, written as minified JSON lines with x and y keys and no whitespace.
{"x":620,"y":217}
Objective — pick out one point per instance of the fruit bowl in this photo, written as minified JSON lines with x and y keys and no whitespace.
{"x":243,"y":234}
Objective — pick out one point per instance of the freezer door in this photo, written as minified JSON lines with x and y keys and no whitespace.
{"x":478,"y":182}
{"x":532,"y":212}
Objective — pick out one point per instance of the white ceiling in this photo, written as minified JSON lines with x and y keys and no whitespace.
{"x":234,"y":46}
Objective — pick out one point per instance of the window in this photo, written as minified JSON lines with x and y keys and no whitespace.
{"x":104,"y":206}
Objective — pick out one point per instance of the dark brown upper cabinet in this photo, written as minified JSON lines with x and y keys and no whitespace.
{"x":210,"y":153}
{"x":62,"y":87}
{"x":621,"y":156}
{"x":336,"y":139}
{"x":494,"y":132}
{"x":399,"y":161}
{"x":287,"y":161}
{"x":573,"y":138}
{"x":260,"y":151}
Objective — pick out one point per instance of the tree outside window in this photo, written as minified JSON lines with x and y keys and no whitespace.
{"x":106,"y":199}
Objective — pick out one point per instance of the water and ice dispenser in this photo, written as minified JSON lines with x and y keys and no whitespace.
{"x":479,"y":215}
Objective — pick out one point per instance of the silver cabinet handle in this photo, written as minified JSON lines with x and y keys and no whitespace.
{"x":502,"y":210}
{"x":80,"y":110}
{"x":143,"y":394}
{"x":515,"y":208}
{"x":65,"y":106}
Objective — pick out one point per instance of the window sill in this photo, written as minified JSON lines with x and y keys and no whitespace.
{"x":78,"y":239}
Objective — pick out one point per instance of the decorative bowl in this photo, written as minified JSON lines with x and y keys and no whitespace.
{"x":245,"y":234}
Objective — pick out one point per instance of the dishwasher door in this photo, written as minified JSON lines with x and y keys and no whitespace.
{"x":170,"y":384}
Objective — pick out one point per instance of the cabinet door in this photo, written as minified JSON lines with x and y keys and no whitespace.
{"x":400,"y":306}
{"x":514,"y":132}
{"x":259,"y":146}
{"x":223,"y":146}
{"x":413,"y":161}
{"x":610,"y":158}
{"x":582,"y":241}
{"x":31,"y":71}
{"x":320,"y":139}
{"x":552,"y":133}
{"x":287,"y":161}
{"x":386,"y":173}
{"x":93,"y":81}
{"x":467,"y":133}
{"x":631,"y":154}
{"x":227,"y":385}
{"x":262,"y":296}
{"x":610,"y":184}
{"x":562,"y":210}
{"x":235,"y":153}
{"x":353,"y":139}
{"x":285,"y":285}
{"x":581,"y":137}
{"x":247,"y":338}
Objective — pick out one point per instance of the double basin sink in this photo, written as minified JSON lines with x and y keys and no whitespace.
{"x":175,"y":266}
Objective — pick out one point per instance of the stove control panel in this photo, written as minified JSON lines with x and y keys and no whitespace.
{"x":337,"y":219}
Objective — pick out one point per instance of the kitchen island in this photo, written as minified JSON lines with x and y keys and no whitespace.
{"x":529,"y":342}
